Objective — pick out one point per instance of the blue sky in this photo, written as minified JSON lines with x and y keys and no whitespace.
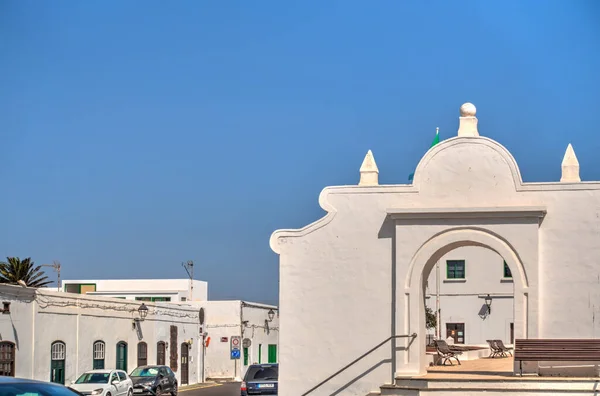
{"x":137,"y":135}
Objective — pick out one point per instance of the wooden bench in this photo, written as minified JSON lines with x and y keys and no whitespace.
{"x":567,"y":350}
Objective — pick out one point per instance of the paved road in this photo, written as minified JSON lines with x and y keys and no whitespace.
{"x":225,"y":389}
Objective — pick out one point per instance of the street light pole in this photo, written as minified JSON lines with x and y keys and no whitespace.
{"x":56,"y":267}
{"x":189,"y":268}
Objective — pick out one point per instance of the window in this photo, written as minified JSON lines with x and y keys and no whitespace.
{"x":507,"y":273}
{"x":122,"y":356}
{"x":456,"y":331}
{"x":57,"y":364}
{"x":80,"y":288}
{"x":7,"y":359}
{"x":142,"y":354}
{"x":272,"y":353}
{"x":99,"y":353}
{"x":455,"y":269}
{"x":160,"y":353}
{"x":122,"y":376}
{"x":183,"y":298}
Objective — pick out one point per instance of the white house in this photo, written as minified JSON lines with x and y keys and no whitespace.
{"x":471,"y":278}
{"x":356,"y":278}
{"x":153,"y":290}
{"x":54,"y":336}
{"x":257,"y":325}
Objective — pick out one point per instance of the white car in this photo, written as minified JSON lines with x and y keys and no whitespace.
{"x":104,"y":383}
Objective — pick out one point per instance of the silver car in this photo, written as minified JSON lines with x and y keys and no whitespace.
{"x":104,"y":383}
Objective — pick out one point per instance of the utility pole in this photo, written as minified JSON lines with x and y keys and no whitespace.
{"x":189,"y":268}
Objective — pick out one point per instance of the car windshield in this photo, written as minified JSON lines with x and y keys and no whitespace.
{"x":27,"y":389}
{"x":265,"y":373}
{"x":144,"y":372}
{"x":93,"y":378}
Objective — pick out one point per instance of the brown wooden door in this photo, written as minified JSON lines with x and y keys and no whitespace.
{"x":142,"y":354}
{"x":160,"y":353}
{"x":185,"y":349}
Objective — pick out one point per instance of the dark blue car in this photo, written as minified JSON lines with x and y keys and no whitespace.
{"x":261,"y":379}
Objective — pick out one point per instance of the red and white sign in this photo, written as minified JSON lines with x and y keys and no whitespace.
{"x":224,"y":339}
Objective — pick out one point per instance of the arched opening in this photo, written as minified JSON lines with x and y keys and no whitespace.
{"x":7,"y":359}
{"x":161,"y":352}
{"x":57,"y":363}
{"x":99,"y":355}
{"x":185,"y":348}
{"x":142,"y":354}
{"x":436,"y":252}
{"x":469,"y":302}
{"x":121,"y":363}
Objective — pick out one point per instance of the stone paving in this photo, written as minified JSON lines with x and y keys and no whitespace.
{"x":487,"y":369}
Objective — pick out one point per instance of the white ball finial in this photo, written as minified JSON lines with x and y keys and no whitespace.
{"x":468,"y":110}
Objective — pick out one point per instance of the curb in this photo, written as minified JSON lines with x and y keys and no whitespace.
{"x":198,"y":386}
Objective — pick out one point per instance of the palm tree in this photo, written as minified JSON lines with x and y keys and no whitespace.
{"x":15,"y":270}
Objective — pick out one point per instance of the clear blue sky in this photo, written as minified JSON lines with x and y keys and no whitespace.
{"x":137,"y":135}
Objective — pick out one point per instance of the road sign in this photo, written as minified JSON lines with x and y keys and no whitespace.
{"x":246,"y":343}
{"x":235,"y":345}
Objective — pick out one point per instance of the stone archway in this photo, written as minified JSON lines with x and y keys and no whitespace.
{"x":491,"y":229}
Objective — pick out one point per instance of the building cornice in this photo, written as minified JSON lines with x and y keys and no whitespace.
{"x":468,"y":213}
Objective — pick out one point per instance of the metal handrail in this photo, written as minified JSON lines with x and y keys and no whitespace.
{"x":413,"y":336}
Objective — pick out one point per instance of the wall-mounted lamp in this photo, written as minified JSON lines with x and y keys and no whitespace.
{"x":143,"y":311}
{"x":271,"y":315}
{"x":488,"y":303}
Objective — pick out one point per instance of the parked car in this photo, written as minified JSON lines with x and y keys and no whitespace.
{"x":17,"y":386}
{"x":154,"y":380}
{"x":103,"y":383}
{"x":261,"y":379}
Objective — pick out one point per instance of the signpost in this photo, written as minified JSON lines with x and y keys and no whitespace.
{"x":236,"y":345}
{"x":235,"y":350}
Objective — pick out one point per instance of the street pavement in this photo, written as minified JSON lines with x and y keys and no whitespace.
{"x":217,"y":389}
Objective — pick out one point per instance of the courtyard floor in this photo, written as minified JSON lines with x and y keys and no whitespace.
{"x":487,"y":369}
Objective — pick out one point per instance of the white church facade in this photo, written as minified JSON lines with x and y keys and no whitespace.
{"x":356,"y":282}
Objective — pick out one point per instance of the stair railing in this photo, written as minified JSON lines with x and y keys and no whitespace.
{"x":412,"y":336}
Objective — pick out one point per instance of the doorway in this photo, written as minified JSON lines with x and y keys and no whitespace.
{"x":185,"y":350}
{"x":57,"y":365}
{"x":122,"y":356}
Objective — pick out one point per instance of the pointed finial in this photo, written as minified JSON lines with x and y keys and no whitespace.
{"x":468,"y":122}
{"x":369,"y":173}
{"x":570,"y":167}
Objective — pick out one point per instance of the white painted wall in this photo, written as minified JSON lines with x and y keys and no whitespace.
{"x":132,"y":288}
{"x":38,"y":318}
{"x":461,"y":301}
{"x":355,"y":277}
{"x":237,"y":318}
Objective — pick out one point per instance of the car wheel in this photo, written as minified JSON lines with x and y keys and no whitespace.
{"x":158,"y":391}
{"x":108,"y":394}
{"x":174,"y":392}
{"x":130,"y":393}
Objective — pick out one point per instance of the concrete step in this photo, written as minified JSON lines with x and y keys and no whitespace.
{"x":532,"y":386}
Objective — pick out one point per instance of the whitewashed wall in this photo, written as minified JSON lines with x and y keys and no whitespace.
{"x":351,"y":279}
{"x":462,"y":300}
{"x":39,"y":318}
{"x":225,"y":319}
{"x":131,"y":288}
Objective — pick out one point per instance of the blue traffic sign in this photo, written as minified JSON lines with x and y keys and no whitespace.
{"x":235,"y":354}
